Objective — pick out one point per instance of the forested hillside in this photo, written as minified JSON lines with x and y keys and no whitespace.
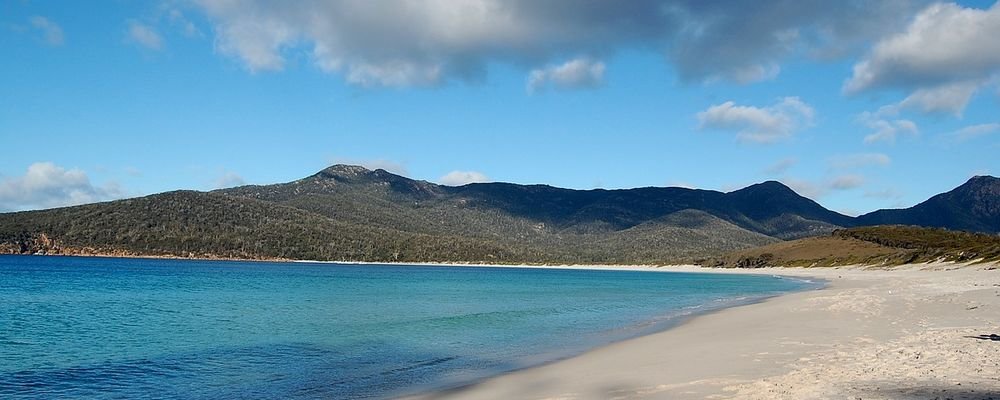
{"x":354,"y":214}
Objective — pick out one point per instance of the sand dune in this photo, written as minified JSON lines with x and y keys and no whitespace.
{"x":913,"y":332}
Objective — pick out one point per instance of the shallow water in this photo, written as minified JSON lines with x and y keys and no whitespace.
{"x":75,"y":327}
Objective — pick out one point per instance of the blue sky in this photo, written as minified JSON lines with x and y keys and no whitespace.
{"x":857,"y":107}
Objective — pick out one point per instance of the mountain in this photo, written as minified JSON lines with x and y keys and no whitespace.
{"x":784,"y":214}
{"x":974,"y":206}
{"x":340,"y":191}
{"x":198,"y":224}
{"x":352,"y":213}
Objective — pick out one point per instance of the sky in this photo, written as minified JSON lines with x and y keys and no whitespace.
{"x":858,"y":105}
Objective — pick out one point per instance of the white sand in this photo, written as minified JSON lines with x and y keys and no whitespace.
{"x":872,"y":334}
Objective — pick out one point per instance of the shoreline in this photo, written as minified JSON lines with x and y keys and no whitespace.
{"x":905,"y":332}
{"x":432,"y":391}
{"x":909,"y":332}
{"x":636,"y":267}
{"x":457,"y":264}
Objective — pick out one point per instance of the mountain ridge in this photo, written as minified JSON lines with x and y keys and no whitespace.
{"x":351,"y":213}
{"x":973,"y":206}
{"x":615,"y":208}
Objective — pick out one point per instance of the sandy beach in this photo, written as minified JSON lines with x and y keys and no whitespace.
{"x":912,"y":332}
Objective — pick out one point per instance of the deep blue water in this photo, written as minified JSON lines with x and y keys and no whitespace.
{"x":103,"y":328}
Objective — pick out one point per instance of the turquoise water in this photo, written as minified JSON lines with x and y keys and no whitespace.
{"x":131,"y":328}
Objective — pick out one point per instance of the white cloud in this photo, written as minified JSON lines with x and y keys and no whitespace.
{"x":743,"y":41}
{"x":974,"y":131}
{"x":144,"y":36}
{"x":781,"y":166}
{"x":51,"y":32}
{"x":395,"y":43}
{"x":859,"y":160}
{"x":459,"y":178}
{"x":228,"y":180}
{"x":47,"y":185}
{"x":945,"y":54}
{"x":885,"y":126}
{"x":575,"y":73}
{"x":760,"y":125}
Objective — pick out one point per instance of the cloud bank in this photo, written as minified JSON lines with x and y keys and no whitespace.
{"x":427,"y":42}
{"x":47,"y":185}
{"x":944,"y":56}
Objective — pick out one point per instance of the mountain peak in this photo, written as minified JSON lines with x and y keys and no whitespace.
{"x":770,"y":187}
{"x":980,"y":180}
{"x":973,"y":206}
{"x":344,"y":171}
{"x":985,"y":189}
{"x":343,"y":175}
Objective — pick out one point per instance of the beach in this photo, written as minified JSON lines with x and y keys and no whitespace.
{"x":911,"y":332}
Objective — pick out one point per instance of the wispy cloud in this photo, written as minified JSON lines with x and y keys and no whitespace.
{"x":859,"y":160}
{"x":847,"y":182}
{"x":781,"y":166}
{"x":888,"y":193}
{"x":758,"y":124}
{"x":885,"y":126}
{"x":132,"y":171}
{"x":51,"y":32}
{"x":179,"y":20}
{"x":229,"y":179}
{"x":973,"y":131}
{"x":144,"y":35}
{"x":806,"y":188}
{"x":817,"y":189}
{"x":573,"y":74}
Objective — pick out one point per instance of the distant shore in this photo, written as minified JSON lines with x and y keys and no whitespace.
{"x":915,"y":331}
{"x":619,"y":267}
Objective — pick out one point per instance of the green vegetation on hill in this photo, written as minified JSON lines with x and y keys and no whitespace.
{"x":888,"y":245}
{"x":194,"y":224}
{"x":350,"y":213}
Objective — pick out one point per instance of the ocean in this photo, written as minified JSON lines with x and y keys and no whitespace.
{"x":104,"y":328}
